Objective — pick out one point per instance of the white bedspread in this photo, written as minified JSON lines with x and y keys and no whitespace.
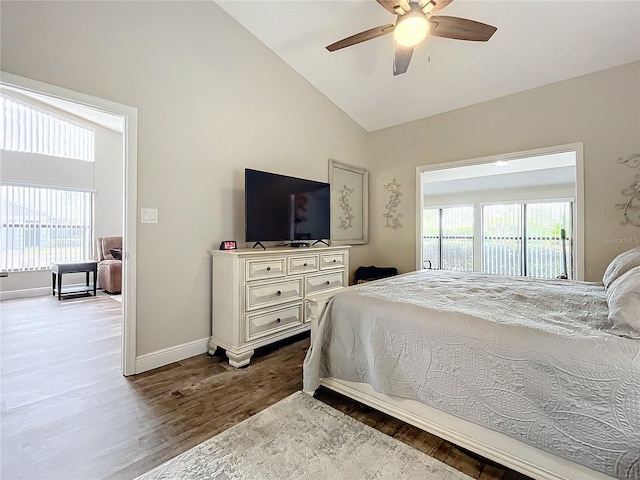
{"x":534,"y":359}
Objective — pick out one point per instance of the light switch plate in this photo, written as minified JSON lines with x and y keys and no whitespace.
{"x":148,"y":215}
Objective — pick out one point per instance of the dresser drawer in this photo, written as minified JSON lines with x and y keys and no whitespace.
{"x":261,"y":324}
{"x":303,"y":264}
{"x":327,"y":281}
{"x":331,"y":260}
{"x":262,"y":269}
{"x":274,"y":293}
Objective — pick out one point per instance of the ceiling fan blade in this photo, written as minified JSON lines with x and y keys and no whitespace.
{"x":361,"y":37}
{"x":401,"y":59}
{"x":390,"y":5}
{"x":438,"y":5}
{"x":460,"y":29}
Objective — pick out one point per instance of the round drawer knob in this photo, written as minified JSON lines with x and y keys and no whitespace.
{"x":268,"y":269}
{"x":334,"y":260}
{"x":327,"y":282}
{"x":278,"y":293}
{"x":305,"y":265}
{"x":278,"y":320}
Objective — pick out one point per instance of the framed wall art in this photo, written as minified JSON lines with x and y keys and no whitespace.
{"x":349,"y":204}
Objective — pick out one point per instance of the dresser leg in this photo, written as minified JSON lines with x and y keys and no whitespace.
{"x":211,"y":350}
{"x":240,"y":360}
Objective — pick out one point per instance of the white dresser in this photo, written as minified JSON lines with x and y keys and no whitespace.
{"x":259,"y":295}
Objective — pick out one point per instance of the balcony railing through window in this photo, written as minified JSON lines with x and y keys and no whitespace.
{"x":531,"y":239}
{"x":41,"y":225}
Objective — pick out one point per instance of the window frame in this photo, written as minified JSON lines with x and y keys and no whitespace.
{"x":578,"y":216}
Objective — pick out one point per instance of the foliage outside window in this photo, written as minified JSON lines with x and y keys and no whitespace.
{"x":524,"y":238}
{"x":448,"y":238}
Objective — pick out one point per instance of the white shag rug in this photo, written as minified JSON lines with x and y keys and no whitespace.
{"x":302,"y":438}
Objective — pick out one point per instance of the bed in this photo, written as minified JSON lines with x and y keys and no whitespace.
{"x":526,"y":372}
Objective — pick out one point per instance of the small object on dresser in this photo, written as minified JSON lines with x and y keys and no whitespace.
{"x":228,"y":245}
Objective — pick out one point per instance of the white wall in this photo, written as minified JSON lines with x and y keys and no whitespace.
{"x":211,"y":101}
{"x":602,"y":110}
{"x":109,"y":181}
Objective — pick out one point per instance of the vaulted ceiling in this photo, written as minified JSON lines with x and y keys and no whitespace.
{"x":537,"y":42}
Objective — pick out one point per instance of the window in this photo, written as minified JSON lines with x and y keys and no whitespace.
{"x":530,"y":239}
{"x":41,"y":225}
{"x":502,"y":239}
{"x":431,"y":238}
{"x":26,"y":128}
{"x":548,"y":239}
{"x":526,"y":238}
{"x":448,"y":238}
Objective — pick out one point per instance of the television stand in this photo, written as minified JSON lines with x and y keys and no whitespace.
{"x":259,"y":243}
{"x":320,"y":241}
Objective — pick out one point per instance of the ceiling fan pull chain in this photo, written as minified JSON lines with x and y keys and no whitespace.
{"x":428,"y":48}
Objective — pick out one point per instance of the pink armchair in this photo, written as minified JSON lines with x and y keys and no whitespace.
{"x":110,"y":266}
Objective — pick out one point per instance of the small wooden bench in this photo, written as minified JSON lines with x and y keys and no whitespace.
{"x":60,"y":268}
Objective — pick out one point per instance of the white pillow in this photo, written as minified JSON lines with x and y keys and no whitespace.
{"x":623,"y":298}
{"x":621,"y":264}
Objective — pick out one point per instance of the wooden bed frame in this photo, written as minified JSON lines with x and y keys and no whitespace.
{"x":490,"y":444}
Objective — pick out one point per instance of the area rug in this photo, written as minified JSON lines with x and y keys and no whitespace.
{"x":302,"y":438}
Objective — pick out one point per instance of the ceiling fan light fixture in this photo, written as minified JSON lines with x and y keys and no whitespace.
{"x":428,"y":7}
{"x":411,"y":29}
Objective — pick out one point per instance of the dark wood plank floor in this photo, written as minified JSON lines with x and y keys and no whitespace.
{"x":67,"y":413}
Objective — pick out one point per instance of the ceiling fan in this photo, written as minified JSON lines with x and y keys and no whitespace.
{"x":414,"y":20}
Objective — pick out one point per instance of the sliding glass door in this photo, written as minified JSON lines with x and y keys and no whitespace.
{"x":519,"y":238}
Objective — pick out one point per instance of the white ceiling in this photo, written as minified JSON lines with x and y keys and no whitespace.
{"x":538,"y":42}
{"x":536,"y":171}
{"x":501,"y":167}
{"x":534,"y":178}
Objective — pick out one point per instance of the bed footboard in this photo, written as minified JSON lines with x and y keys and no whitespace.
{"x":316,"y":305}
{"x":317,"y":302}
{"x":493,"y":445}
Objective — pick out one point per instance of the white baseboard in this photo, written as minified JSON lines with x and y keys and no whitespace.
{"x":163,"y":357}
{"x":25,"y":293}
{"x":31,"y":292}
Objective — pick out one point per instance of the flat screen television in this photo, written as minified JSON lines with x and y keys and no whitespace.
{"x":285,"y":209}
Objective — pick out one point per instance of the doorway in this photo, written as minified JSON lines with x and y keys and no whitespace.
{"x":128,"y":117}
{"x":519,"y":213}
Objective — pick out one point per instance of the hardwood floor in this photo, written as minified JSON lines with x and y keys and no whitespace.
{"x":68,"y":413}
